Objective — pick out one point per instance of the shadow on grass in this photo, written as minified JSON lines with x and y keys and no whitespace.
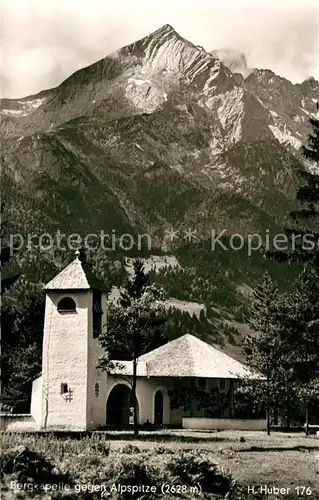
{"x":129,"y":436}
{"x":287,"y":448}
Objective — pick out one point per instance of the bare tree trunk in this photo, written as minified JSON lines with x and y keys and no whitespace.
{"x":45,"y":407}
{"x":135,"y":420}
{"x":268,"y":419}
{"x":268,"y":408}
{"x":46,"y":414}
{"x":276,"y":415}
{"x":307,"y":420}
{"x":288,"y":413}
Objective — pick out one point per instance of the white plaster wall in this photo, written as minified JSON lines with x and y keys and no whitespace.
{"x":224,"y":424}
{"x":65,"y":360}
{"x":36,"y":401}
{"x":16,"y":422}
{"x":96,"y":407}
{"x":146,"y":389}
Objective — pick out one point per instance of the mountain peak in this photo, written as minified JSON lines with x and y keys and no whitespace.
{"x":167,"y":28}
{"x":166,"y":50}
{"x":166,"y":32}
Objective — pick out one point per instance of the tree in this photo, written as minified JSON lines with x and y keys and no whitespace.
{"x":303,"y":235}
{"x":264,"y":349}
{"x":312,"y":151}
{"x":299,"y":314}
{"x":300,"y":323}
{"x":23,"y":347}
{"x":6,"y":252}
{"x":8,"y":279}
{"x":134,"y":288}
{"x":22,"y":317}
{"x":307,"y":217}
{"x":309,"y":395}
{"x":134,"y":325}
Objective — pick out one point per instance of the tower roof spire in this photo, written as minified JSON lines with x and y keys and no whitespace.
{"x":76,"y":276}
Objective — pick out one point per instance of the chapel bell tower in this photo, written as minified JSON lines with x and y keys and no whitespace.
{"x":72,"y":386}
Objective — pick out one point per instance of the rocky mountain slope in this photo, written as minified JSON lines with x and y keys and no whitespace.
{"x":159,"y":134}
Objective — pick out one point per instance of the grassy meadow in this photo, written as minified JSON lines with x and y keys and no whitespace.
{"x":209,"y":465}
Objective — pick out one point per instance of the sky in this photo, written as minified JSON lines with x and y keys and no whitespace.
{"x":44,"y":41}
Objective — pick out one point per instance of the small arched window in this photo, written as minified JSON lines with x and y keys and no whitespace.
{"x":66,"y":305}
{"x":64,"y":388}
{"x":97,"y":389}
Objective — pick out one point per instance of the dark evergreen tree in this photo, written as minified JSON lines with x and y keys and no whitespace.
{"x":265,"y":351}
{"x":6,"y":253}
{"x":299,"y":316}
{"x":22,"y":351}
{"x":312,"y":151}
{"x":303,"y":234}
{"x":8,"y":279}
{"x":135,"y":287}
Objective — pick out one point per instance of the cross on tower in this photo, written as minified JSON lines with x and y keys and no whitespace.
{"x":69,"y":396}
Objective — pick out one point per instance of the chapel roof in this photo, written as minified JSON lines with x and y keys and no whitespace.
{"x":188,"y":356}
{"x":76,"y":276}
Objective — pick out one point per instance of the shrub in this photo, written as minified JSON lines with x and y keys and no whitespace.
{"x":102,"y":447}
{"x":130,"y":449}
{"x":194,"y":468}
{"x":160,"y":450}
{"x":133,"y":472}
{"x":28,"y":466}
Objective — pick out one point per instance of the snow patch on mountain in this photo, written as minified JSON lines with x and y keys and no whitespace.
{"x":216,"y":145}
{"x":33,"y":103}
{"x":309,"y":113}
{"x":25,"y":107}
{"x":299,"y":119}
{"x":137,"y":81}
{"x":285,"y":136}
{"x":13,"y":112}
{"x":145,"y":95}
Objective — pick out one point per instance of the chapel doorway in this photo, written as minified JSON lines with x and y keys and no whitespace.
{"x":158,"y":408}
{"x":119,"y":407}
